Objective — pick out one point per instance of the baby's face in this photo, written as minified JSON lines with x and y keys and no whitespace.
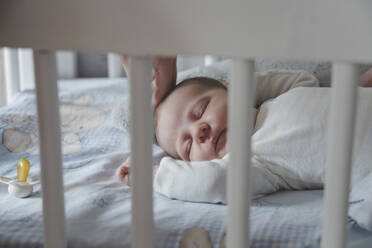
{"x":192,"y":123}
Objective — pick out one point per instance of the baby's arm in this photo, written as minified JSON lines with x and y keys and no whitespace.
{"x":274,"y":83}
{"x":205,"y":181}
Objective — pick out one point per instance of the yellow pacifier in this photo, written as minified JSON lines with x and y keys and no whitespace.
{"x":20,"y":187}
{"x":23,"y":167}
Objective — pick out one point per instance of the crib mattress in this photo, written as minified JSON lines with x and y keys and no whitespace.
{"x":98,"y":209}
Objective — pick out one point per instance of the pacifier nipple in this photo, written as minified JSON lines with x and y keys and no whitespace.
{"x":23,"y":167}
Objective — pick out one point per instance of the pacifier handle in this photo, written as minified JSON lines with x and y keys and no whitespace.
{"x":5,"y":180}
{"x":33,"y":182}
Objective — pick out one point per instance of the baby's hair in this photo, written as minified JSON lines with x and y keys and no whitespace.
{"x":205,"y":81}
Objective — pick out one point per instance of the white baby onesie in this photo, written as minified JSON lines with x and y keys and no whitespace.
{"x":288,"y":147}
{"x":271,"y":84}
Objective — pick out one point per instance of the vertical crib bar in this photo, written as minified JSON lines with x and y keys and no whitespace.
{"x":114,"y":66}
{"x":67,"y":66}
{"x":11,"y":65}
{"x":339,"y":151}
{"x":241,"y":95}
{"x":50,"y":149}
{"x":26,"y":69}
{"x":141,"y":142}
{"x":2,"y":80}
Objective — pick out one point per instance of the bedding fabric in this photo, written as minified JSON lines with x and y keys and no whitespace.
{"x":98,"y":207}
{"x":303,"y":130}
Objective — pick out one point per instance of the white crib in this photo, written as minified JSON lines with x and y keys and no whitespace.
{"x":332,"y":30}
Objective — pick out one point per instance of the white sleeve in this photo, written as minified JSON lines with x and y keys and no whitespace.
{"x":205,"y":181}
{"x":273,"y":83}
{"x":202,"y":181}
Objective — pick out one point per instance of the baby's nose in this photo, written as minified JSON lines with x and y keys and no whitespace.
{"x":203,"y":133}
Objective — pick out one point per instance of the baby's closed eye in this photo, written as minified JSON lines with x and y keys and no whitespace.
{"x":200,"y":108}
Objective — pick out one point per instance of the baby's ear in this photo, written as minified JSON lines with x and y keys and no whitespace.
{"x":227,"y":84}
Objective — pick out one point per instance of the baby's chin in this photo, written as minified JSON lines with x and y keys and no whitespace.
{"x":210,"y":156}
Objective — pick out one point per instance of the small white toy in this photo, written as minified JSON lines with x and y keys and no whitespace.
{"x":22,"y":186}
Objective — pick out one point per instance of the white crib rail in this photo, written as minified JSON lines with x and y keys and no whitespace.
{"x":67,"y":66}
{"x":114,"y":67}
{"x":339,"y":150}
{"x":2,"y":80}
{"x":241,"y":95}
{"x":141,"y":143}
{"x":26,"y":69}
{"x":11,"y":69}
{"x":50,"y":149}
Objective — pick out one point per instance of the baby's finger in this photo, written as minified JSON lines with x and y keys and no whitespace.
{"x":121,"y":172}
{"x":126,"y":180}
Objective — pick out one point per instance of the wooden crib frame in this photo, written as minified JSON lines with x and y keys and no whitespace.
{"x":329,"y":30}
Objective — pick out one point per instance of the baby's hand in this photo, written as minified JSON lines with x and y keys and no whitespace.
{"x":123,"y":172}
{"x":366,"y":79}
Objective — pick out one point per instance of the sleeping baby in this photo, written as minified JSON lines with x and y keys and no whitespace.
{"x":288,"y":140}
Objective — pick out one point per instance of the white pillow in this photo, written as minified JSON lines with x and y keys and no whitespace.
{"x":220,"y":70}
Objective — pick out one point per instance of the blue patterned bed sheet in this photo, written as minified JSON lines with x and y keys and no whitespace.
{"x":86,"y":125}
{"x":87,"y":133}
{"x":97,"y":206}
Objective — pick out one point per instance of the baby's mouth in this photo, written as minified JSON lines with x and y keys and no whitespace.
{"x":220,"y":141}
